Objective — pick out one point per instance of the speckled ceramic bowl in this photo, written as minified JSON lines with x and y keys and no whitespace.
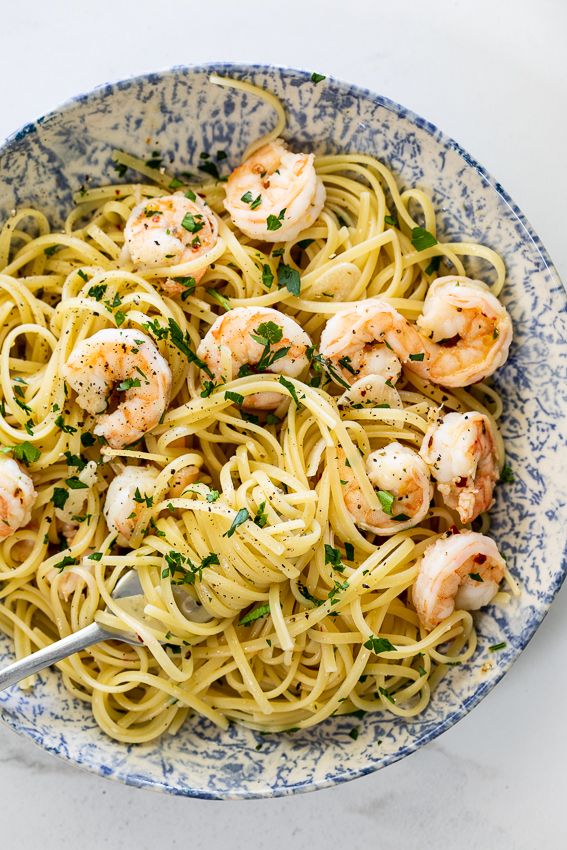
{"x":184,"y":115}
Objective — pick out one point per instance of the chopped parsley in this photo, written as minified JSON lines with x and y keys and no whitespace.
{"x":75,"y":460}
{"x":128,"y":384}
{"x":220,"y":299}
{"x":267,"y":333}
{"x":184,"y":566}
{"x":177,"y":338}
{"x":67,"y":429}
{"x":60,"y":496}
{"x":75,"y":483}
{"x":212,"y":495}
{"x":255,"y":614}
{"x":349,"y":552}
{"x":389,"y":219}
{"x":97,"y":291}
{"x":507,"y":475}
{"x":155,"y":162}
{"x":235,"y":397}
{"x":422,"y":239}
{"x":289,"y":278}
{"x":476,"y":577}
{"x":386,"y":499}
{"x":143,"y":499}
{"x":189,"y":283}
{"x":208,"y":388}
{"x":267,"y":276}
{"x":321,"y":364}
{"x":191,"y":224}
{"x":496,"y":646}
{"x":317,"y":78}
{"x":24,"y":452}
{"x":337,"y":588}
{"x":210,"y":168}
{"x":353,"y":733}
{"x":289,"y":387}
{"x":333,"y":557}
{"x":386,"y":694}
{"x":419,"y":356}
{"x":67,"y":561}
{"x":309,"y":596}
{"x":379,"y":644}
{"x":261,"y":517}
{"x":87,"y":439}
{"x":120,"y":168}
{"x":433,"y":265}
{"x":241,"y":516}
{"x":254,"y":203}
{"x":274,"y":222}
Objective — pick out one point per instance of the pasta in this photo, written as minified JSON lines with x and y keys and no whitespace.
{"x":296,"y":613}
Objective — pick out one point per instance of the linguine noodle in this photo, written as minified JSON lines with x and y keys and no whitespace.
{"x":307,"y":615}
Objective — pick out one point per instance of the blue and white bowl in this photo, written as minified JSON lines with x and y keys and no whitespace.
{"x":182,"y":114}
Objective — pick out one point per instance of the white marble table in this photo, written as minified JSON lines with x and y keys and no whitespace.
{"x":494,"y":76}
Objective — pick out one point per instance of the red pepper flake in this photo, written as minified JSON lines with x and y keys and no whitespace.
{"x":462,"y":482}
{"x":479,"y":559}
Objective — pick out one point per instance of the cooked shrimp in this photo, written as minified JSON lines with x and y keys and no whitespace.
{"x":231,"y":349}
{"x":462,"y":571}
{"x":171,"y":230}
{"x":275,"y":194}
{"x":474,"y":326}
{"x":462,"y":336}
{"x":370,"y":338}
{"x":126,"y":498}
{"x":17,"y":496}
{"x":128,"y":362}
{"x":405,"y":490}
{"x":461,"y":453}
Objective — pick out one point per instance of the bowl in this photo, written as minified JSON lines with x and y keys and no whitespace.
{"x":180,"y":112}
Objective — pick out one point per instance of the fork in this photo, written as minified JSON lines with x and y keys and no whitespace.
{"x":128,"y":585}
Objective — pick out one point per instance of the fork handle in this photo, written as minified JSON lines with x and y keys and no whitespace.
{"x":50,"y":655}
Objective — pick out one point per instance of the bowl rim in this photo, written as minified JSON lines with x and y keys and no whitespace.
{"x":242,"y":68}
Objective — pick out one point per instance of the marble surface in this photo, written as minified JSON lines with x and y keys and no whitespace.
{"x":493,"y":77}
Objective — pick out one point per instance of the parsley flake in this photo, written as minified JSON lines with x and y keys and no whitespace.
{"x":255,"y":614}
{"x":422,"y":239}
{"x":290,"y":278}
{"x":386,"y":500}
{"x":379,"y":644}
{"x":241,"y":516}
{"x":24,"y":452}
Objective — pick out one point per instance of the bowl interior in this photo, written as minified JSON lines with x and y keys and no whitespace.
{"x":181,"y":114}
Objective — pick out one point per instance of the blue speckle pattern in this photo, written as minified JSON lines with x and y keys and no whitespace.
{"x":180,"y":113}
